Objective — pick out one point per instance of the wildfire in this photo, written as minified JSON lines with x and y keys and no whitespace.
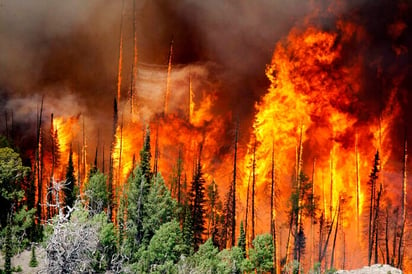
{"x":313,"y":86}
{"x":67,"y":129}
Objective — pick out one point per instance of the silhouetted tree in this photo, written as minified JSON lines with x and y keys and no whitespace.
{"x":70,"y":189}
{"x":197,"y":203}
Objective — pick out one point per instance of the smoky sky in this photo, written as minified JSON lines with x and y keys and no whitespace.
{"x":67,"y":51}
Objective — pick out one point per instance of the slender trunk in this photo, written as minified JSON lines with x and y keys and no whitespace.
{"x":157,"y":153}
{"x":395,"y":236}
{"x":247,"y":213}
{"x":179,"y":177}
{"x":357,"y":190}
{"x":387,"y":260}
{"x":169,"y":71}
{"x":84,"y":158}
{"x":376,"y":225}
{"x":298,"y":213}
{"x":335,"y":237}
{"x":39,"y":168}
{"x":134,"y":64}
{"x":331,"y":182}
{"x":111,"y":167}
{"x":119,"y":172}
{"x":273,"y":213}
{"x":401,"y":247}
{"x":325,"y":246}
{"x":253,"y":189}
{"x":370,"y":225}
{"x":233,"y":221}
{"x":103,"y":159}
{"x":120,"y":62}
{"x":312,"y":215}
{"x":321,"y":224}
{"x":53,"y":163}
{"x":191,"y":103}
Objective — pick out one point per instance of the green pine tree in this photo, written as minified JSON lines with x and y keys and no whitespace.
{"x":8,"y":250}
{"x":198,"y":205}
{"x":160,"y":208}
{"x":145,"y":157}
{"x":96,"y":192}
{"x":241,"y":242}
{"x":70,"y":190}
{"x":188,"y":230}
{"x":33,"y":260}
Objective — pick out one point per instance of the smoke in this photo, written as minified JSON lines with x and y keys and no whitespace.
{"x":68,"y":51}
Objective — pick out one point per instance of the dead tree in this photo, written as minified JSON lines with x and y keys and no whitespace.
{"x":253,"y":190}
{"x":233,"y":221}
{"x":401,"y":246}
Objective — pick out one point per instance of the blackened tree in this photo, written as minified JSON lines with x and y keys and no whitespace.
{"x":70,"y":190}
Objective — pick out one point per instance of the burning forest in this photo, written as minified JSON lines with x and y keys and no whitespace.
{"x":288,"y":121}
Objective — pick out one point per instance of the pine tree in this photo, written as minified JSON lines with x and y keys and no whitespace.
{"x":214,"y":213}
{"x":373,"y":177}
{"x":69,"y":190}
{"x":33,"y":260}
{"x":241,"y":242}
{"x":198,"y":204}
{"x":8,"y":249}
{"x":302,"y":204}
{"x":145,"y":157}
{"x":226,"y":232}
{"x":160,"y":208}
{"x":187,"y":230}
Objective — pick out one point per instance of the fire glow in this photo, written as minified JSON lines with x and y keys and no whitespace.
{"x":314,"y":117}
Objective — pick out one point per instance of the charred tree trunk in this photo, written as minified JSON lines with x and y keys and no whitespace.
{"x":335,"y":237}
{"x":233,"y":221}
{"x":39,"y":168}
{"x":387,"y":259}
{"x":376,"y":224}
{"x":357,"y":190}
{"x":111,"y":168}
{"x":325,"y":246}
{"x":247,"y":214}
{"x":273,"y":214}
{"x":401,"y":247}
{"x":253,"y":190}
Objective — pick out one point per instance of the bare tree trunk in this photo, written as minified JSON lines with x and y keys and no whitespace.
{"x":157,"y":153}
{"x":39,"y":168}
{"x":179,"y":178}
{"x":119,"y":172}
{"x":335,"y":236}
{"x":394,"y":243}
{"x":247,"y":214}
{"x":375,"y":223}
{"x":233,"y":221}
{"x":120,"y":62}
{"x":370,"y":225}
{"x":401,"y":247}
{"x":253,"y":189}
{"x":357,"y":190}
{"x":387,"y":260}
{"x":134,"y":64}
{"x":111,"y":168}
{"x":312,"y":217}
{"x":169,"y":71}
{"x":273,"y":214}
{"x":325,"y":246}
